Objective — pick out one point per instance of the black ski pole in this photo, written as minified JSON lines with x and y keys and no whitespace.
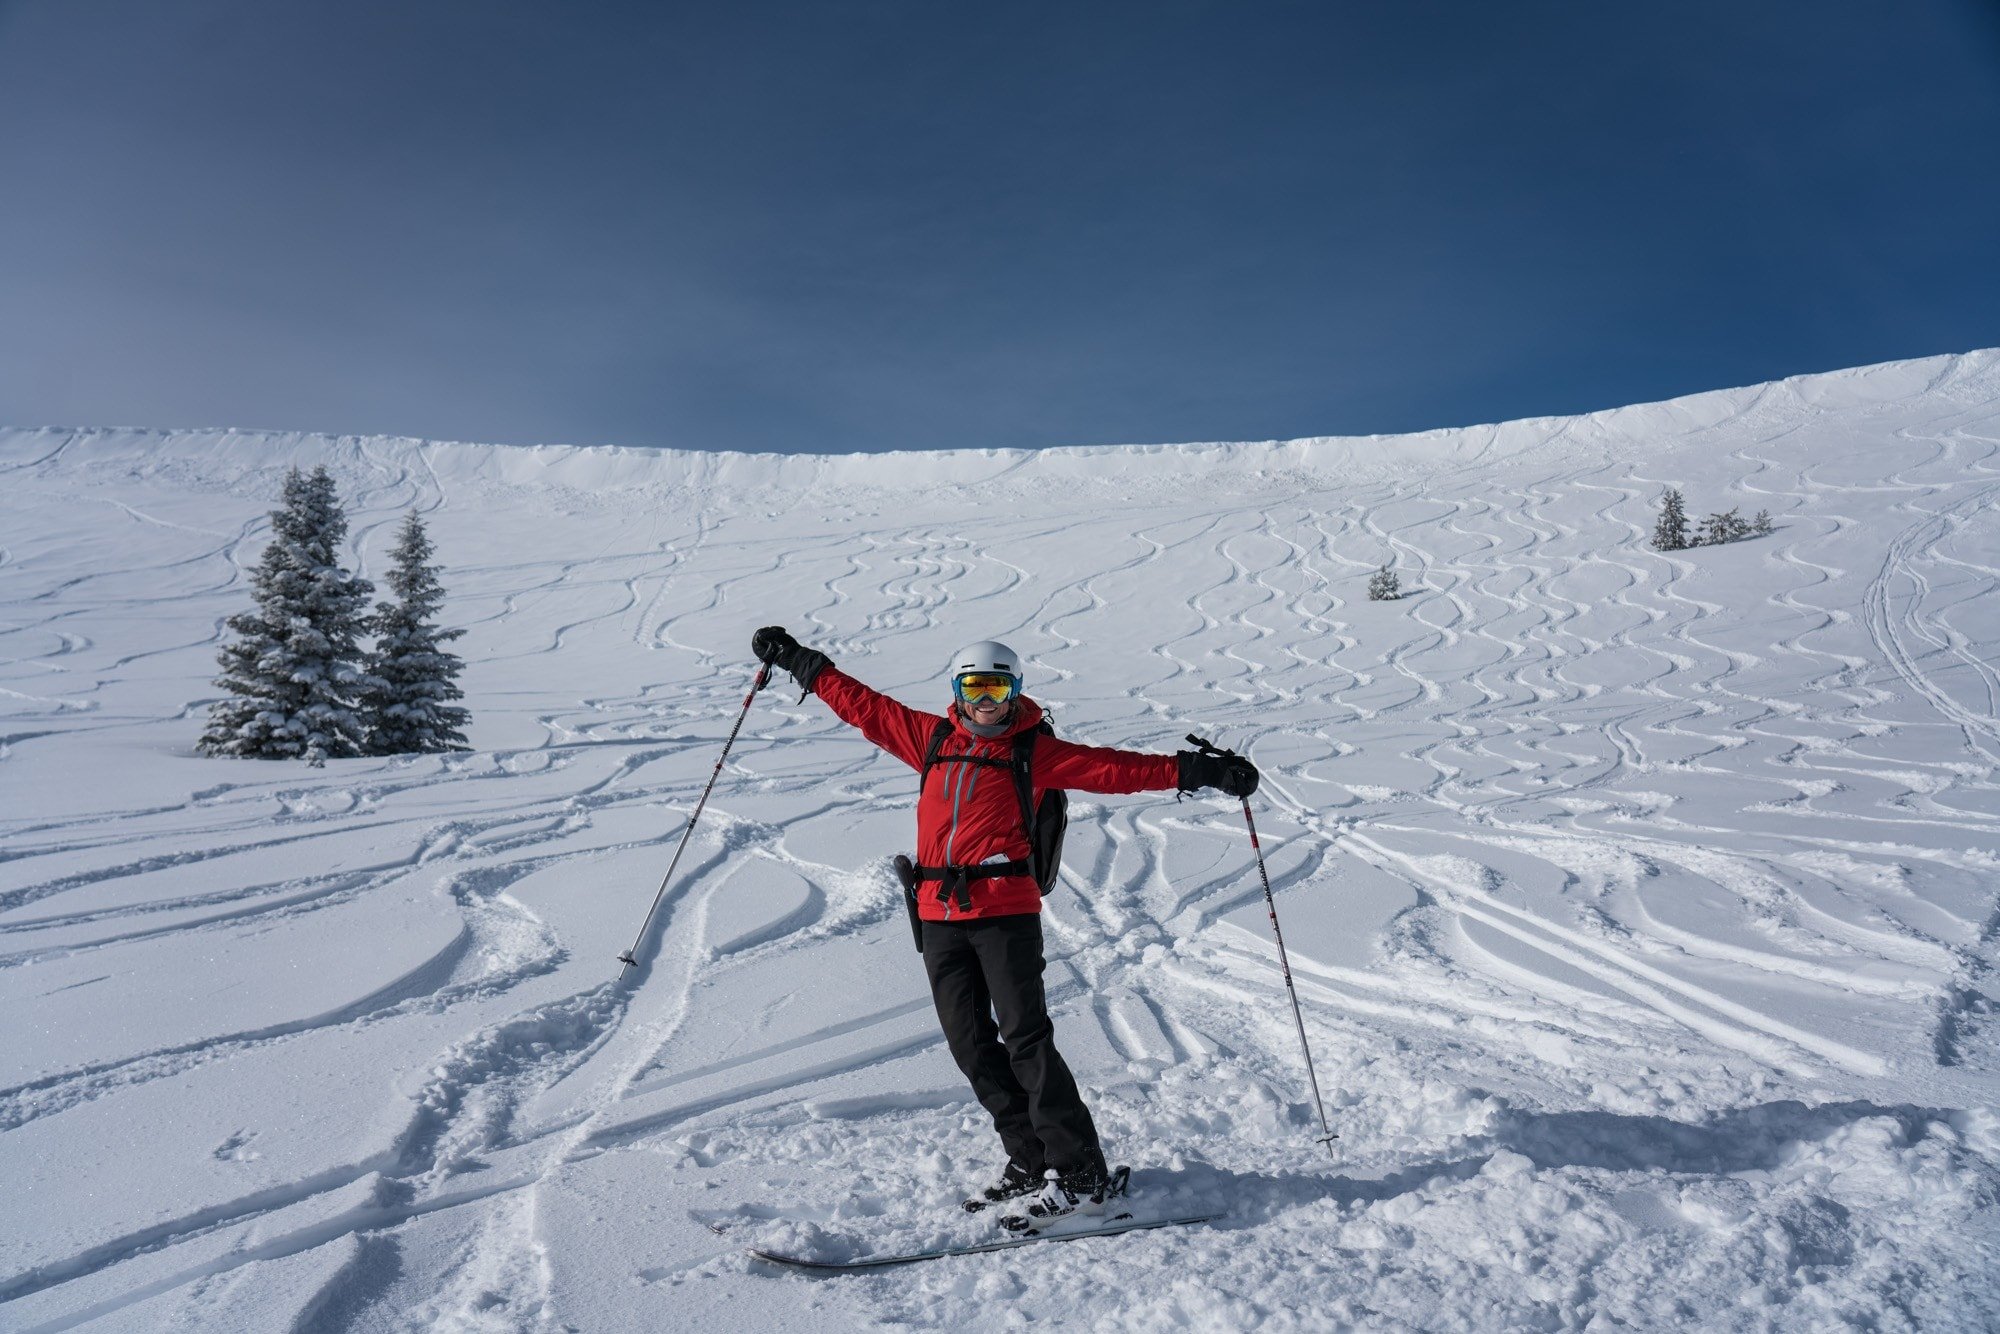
{"x":628,"y":958}
{"x":1284,"y":962}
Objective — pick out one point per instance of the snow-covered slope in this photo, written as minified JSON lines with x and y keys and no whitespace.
{"x":1643,"y":906}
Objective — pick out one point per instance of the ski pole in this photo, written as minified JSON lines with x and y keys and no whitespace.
{"x":1284,"y":962}
{"x":628,"y":958}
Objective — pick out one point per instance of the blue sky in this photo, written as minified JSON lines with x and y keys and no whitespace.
{"x":856,"y":226}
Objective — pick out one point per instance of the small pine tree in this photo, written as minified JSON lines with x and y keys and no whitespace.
{"x":292,"y":672}
{"x":1384,"y":586}
{"x":1671,"y":532}
{"x":1761,"y":525}
{"x":412,"y":679}
{"x":1725,"y":527}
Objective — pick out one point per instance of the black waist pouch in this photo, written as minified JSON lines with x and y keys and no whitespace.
{"x":906,"y":871}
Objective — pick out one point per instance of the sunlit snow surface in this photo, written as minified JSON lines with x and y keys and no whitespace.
{"x":1643,"y":907}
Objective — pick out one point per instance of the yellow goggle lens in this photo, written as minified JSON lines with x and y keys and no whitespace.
{"x":976,"y":686}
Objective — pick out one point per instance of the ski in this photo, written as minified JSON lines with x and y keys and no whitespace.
{"x":1109,"y":1227}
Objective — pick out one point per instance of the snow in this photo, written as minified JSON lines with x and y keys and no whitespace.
{"x":1643,"y":906}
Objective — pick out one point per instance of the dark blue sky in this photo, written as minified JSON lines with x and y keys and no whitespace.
{"x":838,"y":226}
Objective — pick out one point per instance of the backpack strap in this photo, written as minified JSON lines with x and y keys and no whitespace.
{"x":955,"y":882}
{"x":1024,"y":774}
{"x":938,"y":734}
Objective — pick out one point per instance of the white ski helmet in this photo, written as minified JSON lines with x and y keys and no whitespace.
{"x":988,"y":655}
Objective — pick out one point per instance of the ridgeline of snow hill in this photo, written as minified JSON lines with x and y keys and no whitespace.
{"x":1644,"y":905}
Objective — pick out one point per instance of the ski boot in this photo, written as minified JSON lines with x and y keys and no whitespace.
{"x":1082,"y":1190}
{"x":1015,"y":1181}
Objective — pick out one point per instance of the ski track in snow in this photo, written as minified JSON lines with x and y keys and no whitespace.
{"x":1642,"y":905}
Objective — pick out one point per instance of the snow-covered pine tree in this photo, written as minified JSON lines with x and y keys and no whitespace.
{"x":1384,"y":585}
{"x":1727,"y":526}
{"x":1671,"y":532}
{"x":1761,"y":526}
{"x":412,"y":680}
{"x":293,"y":670}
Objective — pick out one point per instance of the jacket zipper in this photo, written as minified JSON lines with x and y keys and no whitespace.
{"x":960,"y":791}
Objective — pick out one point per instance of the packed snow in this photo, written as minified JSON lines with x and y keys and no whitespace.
{"x":1642,"y":905}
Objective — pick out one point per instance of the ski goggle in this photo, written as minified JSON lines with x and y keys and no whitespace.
{"x":978,"y":687}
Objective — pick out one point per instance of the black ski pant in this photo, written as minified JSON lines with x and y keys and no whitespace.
{"x":986,"y":979}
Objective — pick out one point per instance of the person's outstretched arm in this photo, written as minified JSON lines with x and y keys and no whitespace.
{"x":895,"y":727}
{"x":1060,"y":763}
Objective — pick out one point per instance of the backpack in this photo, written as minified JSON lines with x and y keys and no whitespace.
{"x":1045,"y":824}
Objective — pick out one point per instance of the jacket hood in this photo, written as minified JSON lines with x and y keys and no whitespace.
{"x":1027,"y":714}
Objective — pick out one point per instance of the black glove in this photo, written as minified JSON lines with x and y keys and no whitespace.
{"x":773,"y":644}
{"x":1217,"y":768}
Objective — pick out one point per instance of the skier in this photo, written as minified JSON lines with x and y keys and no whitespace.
{"x":979,"y":905}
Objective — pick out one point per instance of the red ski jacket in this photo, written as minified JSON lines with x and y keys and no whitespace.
{"x":970,"y":813}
